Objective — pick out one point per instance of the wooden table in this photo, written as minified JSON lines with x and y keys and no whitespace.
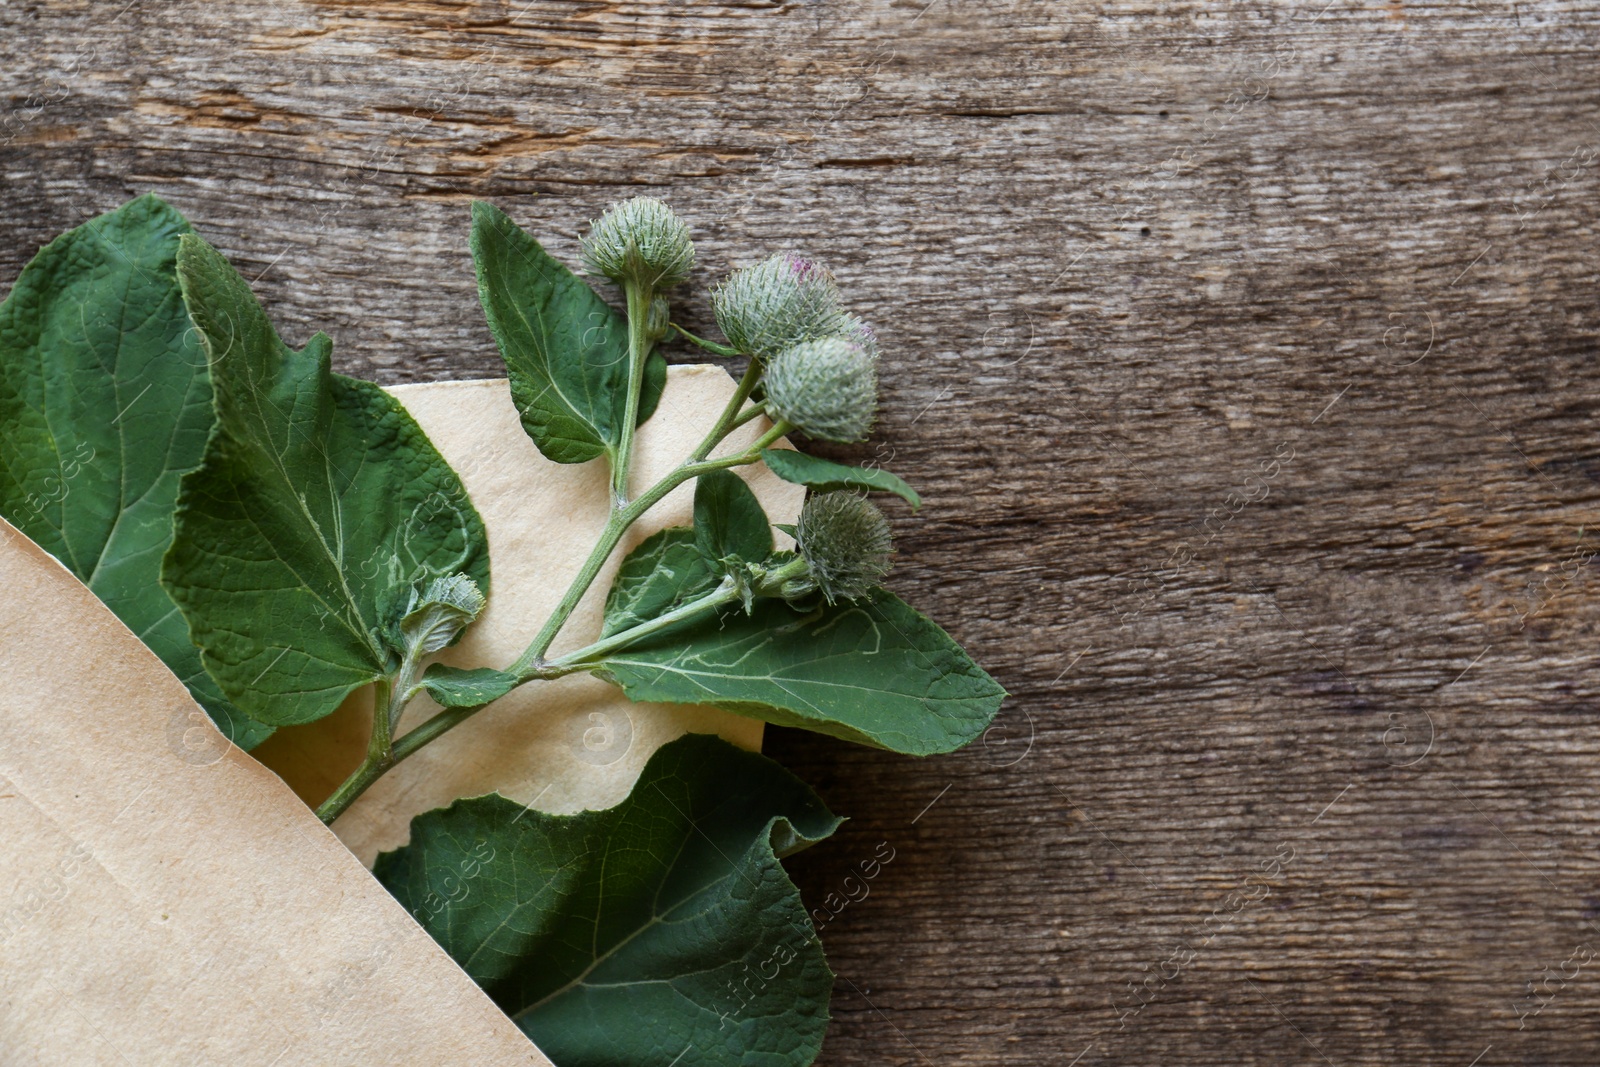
{"x":1245,"y":354}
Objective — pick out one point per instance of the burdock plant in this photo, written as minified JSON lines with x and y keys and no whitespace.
{"x":828,"y":388}
{"x":782,"y":301}
{"x":844,"y":540}
{"x":283,"y":536}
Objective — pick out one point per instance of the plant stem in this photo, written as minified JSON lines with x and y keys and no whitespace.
{"x":389,"y":699}
{"x":639,"y":297}
{"x":378,"y":746}
{"x":588,"y":657}
{"x":709,"y":346}
{"x":753,"y":411}
{"x":617,"y":525}
{"x":384,"y":750}
{"x":450,"y":718}
{"x":352,"y":788}
{"x":730,"y":413}
{"x":725,"y":593}
{"x":627,"y":514}
{"x":379,"y":758}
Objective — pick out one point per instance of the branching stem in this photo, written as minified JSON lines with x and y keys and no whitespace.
{"x":583,"y":659}
{"x":389,"y":699}
{"x":755,"y":410}
{"x":384,"y":750}
{"x":619,"y":522}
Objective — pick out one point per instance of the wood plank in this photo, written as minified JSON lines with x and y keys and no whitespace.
{"x":1123,"y":256}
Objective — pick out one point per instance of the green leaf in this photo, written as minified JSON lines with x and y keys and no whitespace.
{"x":456,"y":687}
{"x":662,"y":930}
{"x":319,"y":505}
{"x":565,"y":349}
{"x":665,"y":571}
{"x":104,"y":404}
{"x":729,"y":520}
{"x":874,"y":671}
{"x":819,"y":473}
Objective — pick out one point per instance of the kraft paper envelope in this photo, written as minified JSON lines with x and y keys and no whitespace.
{"x":168,"y":900}
{"x":165,"y":898}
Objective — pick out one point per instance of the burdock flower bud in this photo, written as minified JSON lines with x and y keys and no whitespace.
{"x":827,"y":387}
{"x":845,"y":542}
{"x":639,"y":241}
{"x":437,"y":614}
{"x":861,"y":334}
{"x":778,"y":303}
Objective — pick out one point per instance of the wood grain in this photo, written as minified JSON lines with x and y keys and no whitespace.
{"x":1245,"y":355}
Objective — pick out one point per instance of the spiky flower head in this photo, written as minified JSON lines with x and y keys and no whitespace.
{"x":861,"y":334}
{"x":436,"y":615}
{"x":639,"y":241}
{"x":827,"y":387}
{"x":780,"y":302}
{"x":845,"y":542}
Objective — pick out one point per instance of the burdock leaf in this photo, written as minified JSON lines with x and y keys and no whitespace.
{"x":319,"y":506}
{"x":665,"y":571}
{"x":104,"y":404}
{"x":819,"y":473}
{"x":874,"y":671}
{"x":663,"y":930}
{"x":565,"y":349}
{"x":456,"y":687}
{"x":729,"y":520}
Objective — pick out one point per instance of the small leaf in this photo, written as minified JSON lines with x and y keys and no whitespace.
{"x":663,"y":572}
{"x":439,"y":613}
{"x":104,"y":404}
{"x":455,"y":687}
{"x":565,"y":349}
{"x":319,"y":507}
{"x":661,"y":930}
{"x":873,"y":671}
{"x":729,"y":520}
{"x":819,"y":473}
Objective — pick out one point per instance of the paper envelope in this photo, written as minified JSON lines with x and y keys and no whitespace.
{"x":167,"y":899}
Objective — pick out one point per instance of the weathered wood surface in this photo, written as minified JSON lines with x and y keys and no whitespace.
{"x":1245,"y":355}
